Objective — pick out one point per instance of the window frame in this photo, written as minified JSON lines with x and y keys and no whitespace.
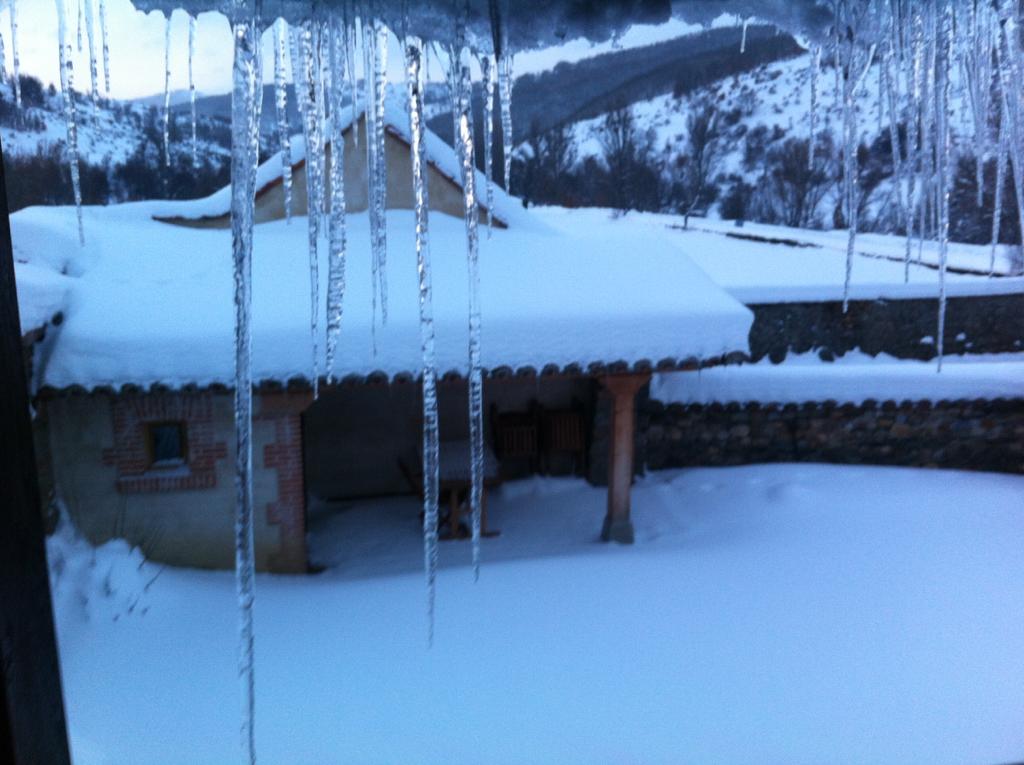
{"x":152,"y":462}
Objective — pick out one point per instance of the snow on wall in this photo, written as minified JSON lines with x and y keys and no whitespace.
{"x":853,"y":378}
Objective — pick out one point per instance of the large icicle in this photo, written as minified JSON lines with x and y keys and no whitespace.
{"x":462,"y":81}
{"x":3,"y":60}
{"x":90,"y":32}
{"x":167,"y":92}
{"x":281,"y":108}
{"x":487,"y":69}
{"x":853,"y":78}
{"x":414,"y":56}
{"x":378,"y":171}
{"x":15,"y":58}
{"x":505,"y":95}
{"x":246,"y":101}
{"x":1010,"y":75}
{"x":106,"y":46}
{"x":70,"y":111}
{"x":743,"y":37}
{"x":337,"y":236}
{"x":306,"y":73}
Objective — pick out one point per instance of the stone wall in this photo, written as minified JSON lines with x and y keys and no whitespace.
{"x":971,"y":435}
{"x":985,"y":324}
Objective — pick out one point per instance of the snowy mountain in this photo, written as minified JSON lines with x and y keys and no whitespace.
{"x":120,"y":148}
{"x":750,"y":156}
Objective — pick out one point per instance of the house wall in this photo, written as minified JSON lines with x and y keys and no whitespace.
{"x":355,"y":436}
{"x":445,"y":196}
{"x":181,"y":516}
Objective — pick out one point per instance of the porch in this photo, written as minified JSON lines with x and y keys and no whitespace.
{"x":365,"y":442}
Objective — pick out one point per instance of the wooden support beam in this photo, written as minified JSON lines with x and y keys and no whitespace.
{"x":32,"y":726}
{"x":618,"y":525}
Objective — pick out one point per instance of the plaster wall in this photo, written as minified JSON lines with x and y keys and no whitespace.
{"x":172,"y":519}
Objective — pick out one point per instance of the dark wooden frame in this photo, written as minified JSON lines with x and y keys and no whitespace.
{"x":32,"y":724}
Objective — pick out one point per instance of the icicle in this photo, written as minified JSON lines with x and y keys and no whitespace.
{"x":281,"y":106}
{"x":79,"y":26}
{"x":307,"y":73}
{"x":815,"y":75}
{"x":323,"y":84}
{"x":375,"y":45}
{"x":192,"y":90}
{"x":851,"y":86}
{"x":167,"y":92}
{"x":16,"y":60}
{"x":997,"y":212}
{"x":462,"y":81}
{"x":351,"y":43}
{"x":338,"y":238}
{"x":70,"y":111}
{"x":246,"y":101}
{"x":3,"y":60}
{"x":743,"y":38}
{"x":431,"y":459}
{"x":370,"y":120}
{"x":943,"y":107}
{"x":505,"y":88}
{"x":380,"y":172}
{"x":1009,"y":67}
{"x":487,"y":68}
{"x":106,"y":46}
{"x":890,"y":82}
{"x":914,"y":142}
{"x":90,"y":31}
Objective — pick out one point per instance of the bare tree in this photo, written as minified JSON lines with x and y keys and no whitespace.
{"x":794,"y":185}
{"x":699,"y":163}
{"x":545,"y":169}
{"x":632,"y":181}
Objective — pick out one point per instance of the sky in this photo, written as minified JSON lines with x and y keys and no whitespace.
{"x":137,"y":48}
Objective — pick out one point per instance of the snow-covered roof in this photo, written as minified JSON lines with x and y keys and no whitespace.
{"x":396,"y":121}
{"x":41,"y":294}
{"x":152,"y":304}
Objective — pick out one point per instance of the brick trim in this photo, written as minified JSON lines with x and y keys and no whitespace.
{"x":131,"y":415}
{"x":288,"y":511}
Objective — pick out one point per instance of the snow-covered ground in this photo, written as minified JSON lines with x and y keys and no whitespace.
{"x":788,"y":613}
{"x":853,"y":378}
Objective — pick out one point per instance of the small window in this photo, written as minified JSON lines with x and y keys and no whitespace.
{"x":166,"y":444}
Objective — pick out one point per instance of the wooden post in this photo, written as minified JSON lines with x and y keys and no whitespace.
{"x":618,"y":526}
{"x":32,"y":727}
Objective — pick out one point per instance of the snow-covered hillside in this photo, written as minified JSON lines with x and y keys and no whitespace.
{"x":774,"y":96}
{"x":108,"y":134}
